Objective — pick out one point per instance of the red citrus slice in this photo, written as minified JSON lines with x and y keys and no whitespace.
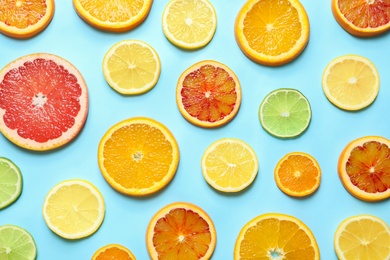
{"x":43,"y":101}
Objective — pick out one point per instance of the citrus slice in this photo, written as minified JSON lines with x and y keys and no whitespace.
{"x":43,"y":101}
{"x":11,"y":182}
{"x":181,"y":230}
{"x":131,"y":67}
{"x":362,"y":237}
{"x":276,"y":236}
{"x":113,"y":16}
{"x":208,"y":94}
{"x":189,"y":24}
{"x":272,"y":32}
{"x":25,"y":19}
{"x":364,"y":168}
{"x":285,"y":113}
{"x":138,"y":156}
{"x":298,"y":174}
{"x":16,"y":243}
{"x":363,"y":18}
{"x":229,"y":165}
{"x":351,"y":82}
{"x":74,"y":209}
{"x":113,"y":251}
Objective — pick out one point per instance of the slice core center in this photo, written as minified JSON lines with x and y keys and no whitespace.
{"x":39,"y":100}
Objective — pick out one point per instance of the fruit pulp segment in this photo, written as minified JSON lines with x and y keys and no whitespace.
{"x":16,"y":243}
{"x":22,"y":14}
{"x":113,"y":253}
{"x":9,"y":182}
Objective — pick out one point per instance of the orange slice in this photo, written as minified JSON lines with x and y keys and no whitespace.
{"x":208,"y":94}
{"x":43,"y":101}
{"x":25,"y":19}
{"x":113,"y":16}
{"x":181,"y":231}
{"x":363,"y":18}
{"x":272,"y":32}
{"x":298,"y":174}
{"x":364,"y":168}
{"x":113,"y":251}
{"x":138,"y":156}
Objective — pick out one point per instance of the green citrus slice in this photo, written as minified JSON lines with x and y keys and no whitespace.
{"x":16,"y":243}
{"x":10,"y":182}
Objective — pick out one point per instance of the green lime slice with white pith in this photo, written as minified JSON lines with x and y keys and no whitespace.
{"x":10,"y":182}
{"x":16,"y":243}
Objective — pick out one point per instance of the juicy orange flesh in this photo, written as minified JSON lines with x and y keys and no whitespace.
{"x":113,"y":253}
{"x":137,"y":156}
{"x":181,"y":234}
{"x":366,"y":14}
{"x":209,"y":93}
{"x":272,"y":27}
{"x":368,"y":167}
{"x":22,"y":14}
{"x":40,"y":99}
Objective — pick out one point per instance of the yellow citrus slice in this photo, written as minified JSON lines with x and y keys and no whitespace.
{"x":229,"y":165}
{"x":74,"y":209}
{"x":208,"y":94}
{"x":113,"y":16}
{"x":351,"y":82}
{"x":364,"y":168}
{"x":181,"y":230}
{"x":131,"y":67}
{"x":298,"y":174}
{"x":276,"y":236}
{"x":113,"y":251}
{"x":25,"y":19}
{"x":272,"y":32}
{"x":189,"y":24}
{"x":362,"y":237}
{"x":138,"y":156}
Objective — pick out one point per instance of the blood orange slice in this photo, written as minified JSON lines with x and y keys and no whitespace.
{"x":43,"y":101}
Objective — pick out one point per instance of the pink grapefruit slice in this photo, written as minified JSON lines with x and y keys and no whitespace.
{"x":43,"y":101}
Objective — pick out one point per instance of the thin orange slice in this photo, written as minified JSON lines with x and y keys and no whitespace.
{"x":181,"y":230}
{"x":208,"y":94}
{"x":113,"y":251}
{"x":364,"y":168}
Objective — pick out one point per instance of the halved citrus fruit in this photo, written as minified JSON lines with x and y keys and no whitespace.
{"x":298,"y":174}
{"x":272,"y":32}
{"x":11,"y":182}
{"x":276,"y":236}
{"x":74,"y":209}
{"x":113,"y":251}
{"x":138,"y":156}
{"x":351,"y":82}
{"x":363,"y":18}
{"x":189,"y":24}
{"x":113,"y":16}
{"x":229,"y":165}
{"x":25,"y":19}
{"x":43,"y":101}
{"x":16,"y":243}
{"x":181,"y":230}
{"x":362,"y":237}
{"x":208,"y":94}
{"x":364,"y":168}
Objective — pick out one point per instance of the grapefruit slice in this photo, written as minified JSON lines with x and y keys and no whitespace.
{"x":43,"y":101}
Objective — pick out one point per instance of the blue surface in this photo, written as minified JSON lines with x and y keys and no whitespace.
{"x":127,"y":217}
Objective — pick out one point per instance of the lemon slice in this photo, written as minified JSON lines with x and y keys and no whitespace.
{"x":11,"y":182}
{"x":16,"y":243}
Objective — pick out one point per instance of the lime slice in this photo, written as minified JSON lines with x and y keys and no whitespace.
{"x":10,"y":182}
{"x":285,"y":113}
{"x":16,"y":243}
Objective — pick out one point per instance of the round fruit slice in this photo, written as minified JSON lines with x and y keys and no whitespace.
{"x":363,"y":18}
{"x":285,"y":113}
{"x":11,"y":182}
{"x":43,"y":101}
{"x":138,"y":156}
{"x":208,"y":94}
{"x":131,"y":67}
{"x":364,"y":168}
{"x":113,"y":16}
{"x":362,"y":237}
{"x":25,"y":19}
{"x":298,"y":174}
{"x":113,"y":251}
{"x":271,"y":32}
{"x":181,"y":231}
{"x":276,"y":236}
{"x":351,"y":82}
{"x":74,"y":209}
{"x":16,"y":243}
{"x":189,"y":24}
{"x":229,"y":165}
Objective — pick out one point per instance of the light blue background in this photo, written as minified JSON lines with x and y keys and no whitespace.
{"x":127,"y":217}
